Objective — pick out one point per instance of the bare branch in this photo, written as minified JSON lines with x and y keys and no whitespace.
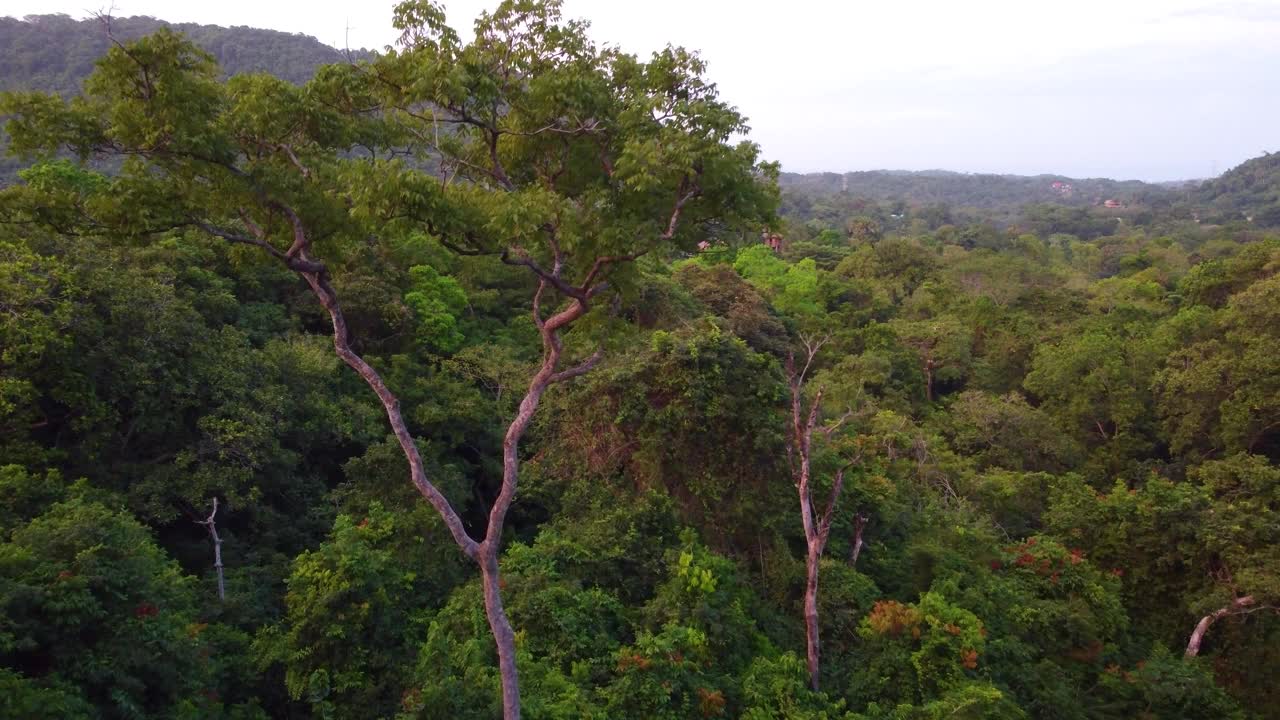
{"x":581,"y":368}
{"x":537,"y":305}
{"x":254,"y":228}
{"x":813,"y":416}
{"x":811,"y":346}
{"x":688,"y":191}
{"x":212,"y":527}
{"x":1239,"y":606}
{"x":829,"y":430}
{"x":301,"y":241}
{"x":316,"y":275}
{"x":237,"y":238}
{"x":517,"y":256}
{"x":859,"y":524}
{"x":824,"y":525}
{"x":294,"y":159}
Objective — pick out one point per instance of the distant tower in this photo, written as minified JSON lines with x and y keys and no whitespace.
{"x":844,"y":183}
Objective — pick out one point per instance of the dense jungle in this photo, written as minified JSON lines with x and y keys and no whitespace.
{"x":500,"y":374}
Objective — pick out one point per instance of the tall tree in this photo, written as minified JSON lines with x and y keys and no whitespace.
{"x":553,"y":155}
{"x":817,"y":528}
{"x":579,"y":160}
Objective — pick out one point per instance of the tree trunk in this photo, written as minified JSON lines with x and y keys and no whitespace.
{"x":487,"y":557}
{"x":211,"y":524}
{"x":811,"y":612}
{"x":503,"y":636}
{"x":1197,"y":635}
{"x":217,"y":562}
{"x":816,"y":529}
{"x":928,"y":380}
{"x":298,"y":259}
{"x":859,"y":524}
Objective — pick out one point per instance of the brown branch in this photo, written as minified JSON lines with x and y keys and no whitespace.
{"x":824,"y":525}
{"x":517,"y":256}
{"x":240,"y":239}
{"x":686,"y":194}
{"x":812,"y":420}
{"x":580,"y":369}
{"x":316,"y":276}
{"x":294,"y":159}
{"x":254,"y":228}
{"x":301,"y":242}
{"x":859,"y":524}
{"x":537,"y":305}
{"x":499,"y":173}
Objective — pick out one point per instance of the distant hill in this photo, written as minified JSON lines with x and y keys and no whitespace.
{"x":1249,"y":192}
{"x":55,"y":53}
{"x":983,"y":191}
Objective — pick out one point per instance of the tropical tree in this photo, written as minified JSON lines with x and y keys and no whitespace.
{"x":817,"y":525}
{"x":554,"y":155}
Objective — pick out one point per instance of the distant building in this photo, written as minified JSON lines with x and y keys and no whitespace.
{"x":1112,"y":203}
{"x":773,"y":240}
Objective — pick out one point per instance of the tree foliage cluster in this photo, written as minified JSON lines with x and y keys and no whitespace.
{"x":1058,"y":455}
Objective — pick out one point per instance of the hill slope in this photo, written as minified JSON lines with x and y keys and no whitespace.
{"x":972,"y":190}
{"x":1250,"y":191}
{"x":55,"y":53}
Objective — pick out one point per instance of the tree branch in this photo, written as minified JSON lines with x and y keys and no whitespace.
{"x":316,"y":275}
{"x":212,"y":527}
{"x":1239,"y":606}
{"x":237,"y":238}
{"x":521,"y":258}
{"x":581,"y":368}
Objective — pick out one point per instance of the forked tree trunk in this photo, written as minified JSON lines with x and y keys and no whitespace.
{"x":298,"y":259}
{"x":816,"y":529}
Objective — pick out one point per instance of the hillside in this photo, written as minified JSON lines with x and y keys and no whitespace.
{"x":1249,"y":191}
{"x":974,"y":190}
{"x":54,"y":53}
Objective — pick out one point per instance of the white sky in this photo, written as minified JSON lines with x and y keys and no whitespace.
{"x":1149,"y":89}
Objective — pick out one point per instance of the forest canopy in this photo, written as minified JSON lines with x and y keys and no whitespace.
{"x":498,"y":375}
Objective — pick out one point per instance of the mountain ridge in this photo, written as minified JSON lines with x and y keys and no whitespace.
{"x":55,"y":52}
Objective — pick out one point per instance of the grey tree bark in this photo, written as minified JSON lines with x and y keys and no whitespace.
{"x":817,"y":529}
{"x":1238,"y":606}
{"x":211,"y":525}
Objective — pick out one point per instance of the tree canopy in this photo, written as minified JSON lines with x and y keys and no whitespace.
{"x":502,"y":361}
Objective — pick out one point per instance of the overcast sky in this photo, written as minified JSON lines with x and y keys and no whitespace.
{"x":1147,"y":89}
